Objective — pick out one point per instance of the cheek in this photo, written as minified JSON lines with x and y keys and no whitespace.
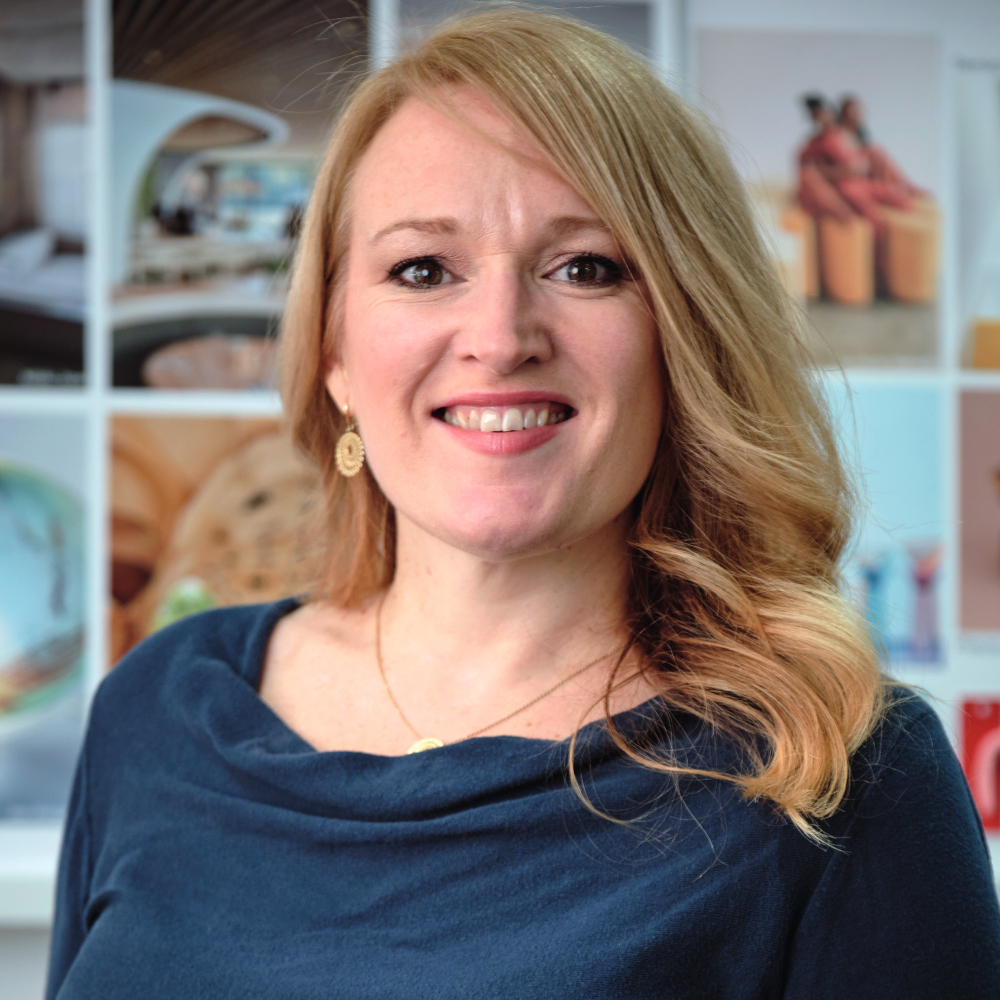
{"x":649,"y":360}
{"x":387,"y":354}
{"x":639,"y":379}
{"x":628,"y":358}
{"x":373,"y":349}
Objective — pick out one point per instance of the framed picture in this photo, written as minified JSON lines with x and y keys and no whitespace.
{"x":838,"y":141}
{"x":895,"y":437}
{"x":977,"y":119}
{"x":981,"y":757}
{"x":215,"y":139}
{"x":43,"y":612}
{"x":979,"y":416}
{"x":44,"y":152}
{"x":204,"y":511}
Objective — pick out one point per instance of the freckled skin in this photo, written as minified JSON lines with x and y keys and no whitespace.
{"x":503,"y":318}
{"x":464,"y":276}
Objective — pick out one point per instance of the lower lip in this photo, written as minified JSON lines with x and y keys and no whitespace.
{"x":502,"y":442}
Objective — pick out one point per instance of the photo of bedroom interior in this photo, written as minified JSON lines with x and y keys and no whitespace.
{"x":43,"y":205}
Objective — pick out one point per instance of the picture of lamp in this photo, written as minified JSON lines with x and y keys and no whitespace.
{"x":874,"y":574}
{"x":925,"y":561}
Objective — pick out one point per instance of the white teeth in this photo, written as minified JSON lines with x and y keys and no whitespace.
{"x":503,"y":419}
{"x":512,"y":420}
{"x":490,"y":421}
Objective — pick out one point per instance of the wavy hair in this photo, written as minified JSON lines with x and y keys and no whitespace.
{"x":735,"y":597}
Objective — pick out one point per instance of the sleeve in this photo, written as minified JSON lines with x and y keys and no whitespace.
{"x":72,"y":883}
{"x":907,"y":908}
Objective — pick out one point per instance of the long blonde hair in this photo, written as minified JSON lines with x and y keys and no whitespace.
{"x":735,"y":598}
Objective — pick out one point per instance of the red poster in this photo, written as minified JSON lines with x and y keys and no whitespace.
{"x":981,"y":756}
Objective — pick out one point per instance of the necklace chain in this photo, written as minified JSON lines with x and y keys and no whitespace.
{"x":425,"y":743}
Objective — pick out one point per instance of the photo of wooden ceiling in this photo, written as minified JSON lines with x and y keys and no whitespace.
{"x":291,"y":57}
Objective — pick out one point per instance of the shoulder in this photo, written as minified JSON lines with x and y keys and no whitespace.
{"x":905,"y":905}
{"x":909,"y":799}
{"x":910,"y":726}
{"x":235,"y":638}
{"x":908,"y":754}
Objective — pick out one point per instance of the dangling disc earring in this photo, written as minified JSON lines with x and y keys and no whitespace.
{"x":350,"y":452}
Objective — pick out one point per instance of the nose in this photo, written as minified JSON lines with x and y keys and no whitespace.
{"x":502,"y":326}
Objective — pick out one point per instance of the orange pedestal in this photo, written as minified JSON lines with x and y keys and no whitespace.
{"x":911,"y":253}
{"x":847,"y":260}
{"x":799,"y":222}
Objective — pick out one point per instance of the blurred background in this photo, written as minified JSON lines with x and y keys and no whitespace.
{"x":220,"y":114}
{"x":43,"y":185}
{"x":156,"y":158}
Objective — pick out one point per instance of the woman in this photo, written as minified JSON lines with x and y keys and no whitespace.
{"x":845,"y":166}
{"x":584,"y":516}
{"x":881,"y":167}
{"x":817,"y":193}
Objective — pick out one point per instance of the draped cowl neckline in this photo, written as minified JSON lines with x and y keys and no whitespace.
{"x":254,"y":742}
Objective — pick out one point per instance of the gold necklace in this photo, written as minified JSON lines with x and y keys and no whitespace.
{"x":432,"y":742}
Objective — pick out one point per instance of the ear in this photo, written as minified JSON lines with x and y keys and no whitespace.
{"x":338,"y":387}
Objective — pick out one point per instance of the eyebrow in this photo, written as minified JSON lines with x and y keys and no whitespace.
{"x":569,"y":225}
{"x":563,"y":225}
{"x":443,"y":226}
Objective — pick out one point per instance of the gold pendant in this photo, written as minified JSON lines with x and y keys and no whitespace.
{"x":425,"y":743}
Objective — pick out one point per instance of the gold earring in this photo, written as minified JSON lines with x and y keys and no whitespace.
{"x":350,"y":451}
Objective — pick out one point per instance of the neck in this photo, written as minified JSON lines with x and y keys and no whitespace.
{"x":453,"y":616}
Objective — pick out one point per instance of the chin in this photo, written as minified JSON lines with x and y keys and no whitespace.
{"x":495,"y":535}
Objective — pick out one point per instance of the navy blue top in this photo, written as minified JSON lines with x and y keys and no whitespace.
{"x":211,"y":853}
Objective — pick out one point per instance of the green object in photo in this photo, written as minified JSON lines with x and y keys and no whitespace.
{"x":187,"y":596}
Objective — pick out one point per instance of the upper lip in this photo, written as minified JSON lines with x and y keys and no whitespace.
{"x":504,"y":398}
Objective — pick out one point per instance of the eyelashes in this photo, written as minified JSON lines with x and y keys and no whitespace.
{"x":428,"y":272}
{"x":583,"y":270}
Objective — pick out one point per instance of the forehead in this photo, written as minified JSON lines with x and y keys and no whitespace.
{"x":463,"y":115}
{"x":423,"y":161}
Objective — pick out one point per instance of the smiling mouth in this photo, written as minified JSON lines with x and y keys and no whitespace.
{"x":499,"y":419}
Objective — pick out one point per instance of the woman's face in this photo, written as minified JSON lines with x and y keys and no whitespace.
{"x":501,"y":363}
{"x":851,"y":114}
